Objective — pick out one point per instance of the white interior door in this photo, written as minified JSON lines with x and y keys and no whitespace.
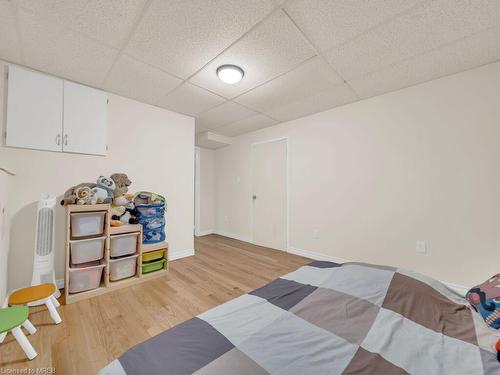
{"x":85,"y":119}
{"x":34,"y":110}
{"x":269,"y":176}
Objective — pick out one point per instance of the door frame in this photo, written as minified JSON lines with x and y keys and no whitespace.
{"x":287,"y":188}
{"x":197,"y":200}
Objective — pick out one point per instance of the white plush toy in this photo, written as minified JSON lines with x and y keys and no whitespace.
{"x":99,"y":195}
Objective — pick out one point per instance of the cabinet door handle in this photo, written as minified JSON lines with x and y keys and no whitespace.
{"x":65,"y":139}
{"x":58,"y":139}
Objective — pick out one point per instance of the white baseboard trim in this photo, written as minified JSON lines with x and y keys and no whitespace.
{"x":205,"y":232}
{"x":462,"y":290}
{"x":315,"y":256}
{"x":233,"y":235}
{"x":180,"y":254}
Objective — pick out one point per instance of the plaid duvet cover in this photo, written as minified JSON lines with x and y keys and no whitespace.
{"x":326,"y":318}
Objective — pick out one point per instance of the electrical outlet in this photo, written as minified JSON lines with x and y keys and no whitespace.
{"x":421,"y":247}
{"x":316,"y":233}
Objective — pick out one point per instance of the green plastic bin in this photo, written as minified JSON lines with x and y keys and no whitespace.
{"x":153,"y":266}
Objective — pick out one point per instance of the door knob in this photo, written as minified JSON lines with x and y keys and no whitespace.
{"x":254,"y":197}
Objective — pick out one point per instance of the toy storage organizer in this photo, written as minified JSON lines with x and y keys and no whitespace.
{"x":151,"y":216}
{"x":100,"y":258}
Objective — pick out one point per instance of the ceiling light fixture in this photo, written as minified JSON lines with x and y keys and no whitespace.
{"x":230,"y":74}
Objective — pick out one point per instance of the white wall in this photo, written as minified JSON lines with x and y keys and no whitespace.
{"x":377,"y":175}
{"x":152,"y":145}
{"x":206,"y":177}
{"x":4,"y":231}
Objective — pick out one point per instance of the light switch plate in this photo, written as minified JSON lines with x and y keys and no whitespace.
{"x":421,"y":247}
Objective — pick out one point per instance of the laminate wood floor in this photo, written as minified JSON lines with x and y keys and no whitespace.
{"x":97,"y":330}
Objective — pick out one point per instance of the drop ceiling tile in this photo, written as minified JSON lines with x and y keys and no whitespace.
{"x":10,"y":48}
{"x":246,"y":125}
{"x":108,"y":21}
{"x":311,"y":77}
{"x":271,"y":49}
{"x":190,"y":99}
{"x":334,"y":97}
{"x":329,"y":23}
{"x":136,"y":80}
{"x":64,"y":53}
{"x":182,"y":36}
{"x":226,"y":113}
{"x":431,"y":26}
{"x":480,"y":49}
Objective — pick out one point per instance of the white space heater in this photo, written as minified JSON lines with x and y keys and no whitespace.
{"x":43,"y":263}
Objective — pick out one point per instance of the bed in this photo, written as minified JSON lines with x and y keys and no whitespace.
{"x":326,"y":318}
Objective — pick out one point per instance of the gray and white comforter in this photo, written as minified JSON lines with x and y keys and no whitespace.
{"x":326,"y":318}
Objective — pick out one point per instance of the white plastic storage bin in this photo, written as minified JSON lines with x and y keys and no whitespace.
{"x":87,"y":224}
{"x":122,"y":268}
{"x":123,"y":244}
{"x":85,"y":278}
{"x":83,"y":251}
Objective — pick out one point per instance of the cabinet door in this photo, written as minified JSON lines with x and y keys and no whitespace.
{"x":34,"y":110}
{"x":85,"y":119}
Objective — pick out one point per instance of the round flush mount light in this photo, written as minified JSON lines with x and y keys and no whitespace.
{"x":230,"y":74}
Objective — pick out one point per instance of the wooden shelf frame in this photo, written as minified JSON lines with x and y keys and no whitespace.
{"x":106,"y":284}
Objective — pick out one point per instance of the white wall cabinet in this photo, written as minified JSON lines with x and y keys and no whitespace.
{"x":34,"y":110}
{"x":48,"y":113}
{"x":85,"y":118}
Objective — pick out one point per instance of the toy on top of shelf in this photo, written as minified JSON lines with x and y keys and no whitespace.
{"x":122,"y":208}
{"x":122,"y":183}
{"x":90,"y":193}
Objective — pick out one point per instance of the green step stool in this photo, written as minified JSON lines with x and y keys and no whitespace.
{"x":11,"y":319}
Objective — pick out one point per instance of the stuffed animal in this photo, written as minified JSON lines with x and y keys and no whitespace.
{"x":90,"y":193}
{"x":104,"y":189}
{"x":84,"y":195}
{"x":123,"y":205}
{"x":69,"y":197}
{"x":117,"y":211}
{"x":79,"y":194}
{"x":122,"y":183}
{"x":122,"y":210}
{"x":106,"y":183}
{"x":100,"y":195}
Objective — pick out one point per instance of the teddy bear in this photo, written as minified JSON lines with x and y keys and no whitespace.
{"x":122,"y":207}
{"x":122,"y":183}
